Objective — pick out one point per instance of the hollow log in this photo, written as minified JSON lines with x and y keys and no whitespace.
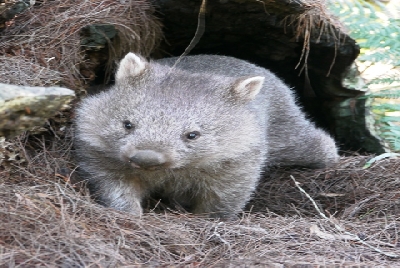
{"x":297,"y":40}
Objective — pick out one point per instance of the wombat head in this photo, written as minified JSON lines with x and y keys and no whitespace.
{"x":159,"y":117}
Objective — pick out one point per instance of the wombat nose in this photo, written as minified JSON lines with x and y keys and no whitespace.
{"x":147,"y":158}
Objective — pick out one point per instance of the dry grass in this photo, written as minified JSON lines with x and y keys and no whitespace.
{"x":47,"y":221}
{"x":347,"y":191}
{"x":19,"y":70}
{"x":44,"y":42}
{"x":315,"y":25}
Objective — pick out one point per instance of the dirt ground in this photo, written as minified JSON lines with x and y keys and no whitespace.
{"x":347,"y":216}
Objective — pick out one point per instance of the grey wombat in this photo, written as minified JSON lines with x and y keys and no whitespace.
{"x":200,"y":134}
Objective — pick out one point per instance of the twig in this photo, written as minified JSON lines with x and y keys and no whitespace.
{"x":198,"y":34}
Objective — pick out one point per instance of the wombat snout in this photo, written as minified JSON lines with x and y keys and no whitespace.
{"x":148,"y":159}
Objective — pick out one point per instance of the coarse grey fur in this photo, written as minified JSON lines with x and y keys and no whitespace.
{"x":200,"y":134}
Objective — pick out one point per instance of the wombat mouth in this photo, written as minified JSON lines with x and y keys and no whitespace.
{"x":148,"y":168}
{"x":133,"y":164}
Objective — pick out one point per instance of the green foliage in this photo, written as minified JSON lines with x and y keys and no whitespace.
{"x":386,"y":94}
{"x":387,"y":117}
{"x":378,"y":35}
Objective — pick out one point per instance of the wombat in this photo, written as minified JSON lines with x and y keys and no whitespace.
{"x":199,"y":133}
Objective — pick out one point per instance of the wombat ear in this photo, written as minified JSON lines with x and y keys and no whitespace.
{"x":246,"y":88}
{"x":130,"y":66}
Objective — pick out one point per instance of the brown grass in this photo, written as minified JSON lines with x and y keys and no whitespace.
{"x":347,"y":191}
{"x":316,"y":25}
{"x":19,"y":70}
{"x":47,"y":221}
{"x":43,"y":43}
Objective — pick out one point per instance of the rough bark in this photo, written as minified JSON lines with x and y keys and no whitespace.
{"x":353,"y":125}
{"x":22,"y":108}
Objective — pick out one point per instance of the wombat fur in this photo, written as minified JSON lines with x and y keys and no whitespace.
{"x":200,"y":134}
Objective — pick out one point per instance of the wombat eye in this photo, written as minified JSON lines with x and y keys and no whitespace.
{"x":127,"y":124}
{"x":193,"y":135}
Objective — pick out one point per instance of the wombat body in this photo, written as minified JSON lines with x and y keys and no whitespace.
{"x":200,"y":134}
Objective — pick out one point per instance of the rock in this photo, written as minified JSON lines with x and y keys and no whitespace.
{"x":22,"y":108}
